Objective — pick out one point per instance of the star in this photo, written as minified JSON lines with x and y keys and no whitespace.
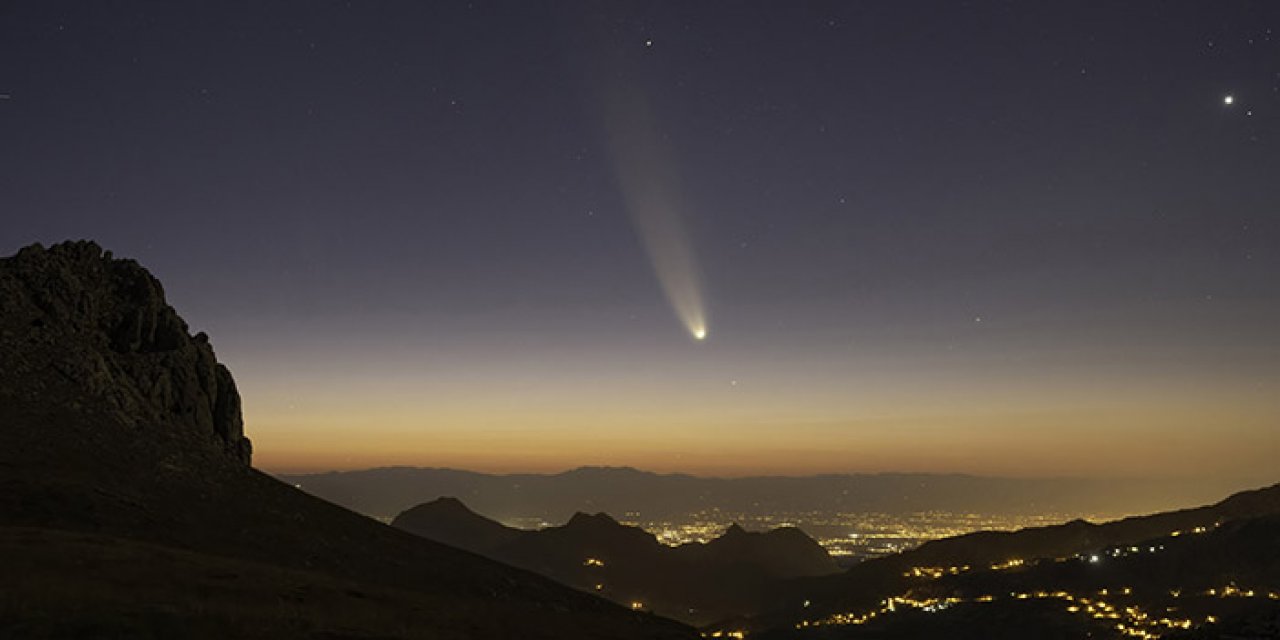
{"x":1229,"y":100}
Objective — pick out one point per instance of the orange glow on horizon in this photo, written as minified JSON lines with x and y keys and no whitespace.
{"x":688,"y":412}
{"x":1018,"y":444}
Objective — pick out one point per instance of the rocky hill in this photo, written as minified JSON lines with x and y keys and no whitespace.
{"x":128,"y":507}
{"x":92,"y":333}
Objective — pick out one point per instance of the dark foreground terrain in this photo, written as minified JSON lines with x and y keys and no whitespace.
{"x":1208,"y":572}
{"x":128,"y":507}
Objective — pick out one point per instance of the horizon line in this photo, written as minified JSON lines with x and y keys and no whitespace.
{"x":906,"y":473}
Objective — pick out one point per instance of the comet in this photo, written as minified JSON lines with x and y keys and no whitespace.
{"x":649,"y":182}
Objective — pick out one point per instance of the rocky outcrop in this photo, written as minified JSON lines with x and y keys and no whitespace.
{"x":73,"y":317}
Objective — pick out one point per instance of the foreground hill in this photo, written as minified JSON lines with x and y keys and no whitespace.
{"x":128,"y":507}
{"x":980,"y":578}
{"x":696,"y":583}
{"x":1222,"y":583}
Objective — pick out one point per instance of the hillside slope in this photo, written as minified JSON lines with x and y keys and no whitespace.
{"x":123,"y":469}
{"x":1060,"y":557}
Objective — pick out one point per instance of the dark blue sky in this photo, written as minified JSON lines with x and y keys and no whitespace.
{"x":915,"y":224}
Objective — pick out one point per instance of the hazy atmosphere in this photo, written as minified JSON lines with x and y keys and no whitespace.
{"x":784,"y":238}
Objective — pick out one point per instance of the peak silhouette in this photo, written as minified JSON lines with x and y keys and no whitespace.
{"x":450,"y":521}
{"x":97,"y":336}
{"x":582,"y":520}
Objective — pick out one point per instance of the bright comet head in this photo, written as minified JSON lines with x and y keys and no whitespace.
{"x":700,"y":334}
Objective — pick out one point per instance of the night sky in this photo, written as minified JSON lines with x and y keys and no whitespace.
{"x":989,"y":237}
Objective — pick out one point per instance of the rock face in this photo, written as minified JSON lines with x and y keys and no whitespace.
{"x":73,"y":317}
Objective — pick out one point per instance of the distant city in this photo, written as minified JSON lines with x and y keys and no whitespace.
{"x":848,"y":537}
{"x":853,"y":517}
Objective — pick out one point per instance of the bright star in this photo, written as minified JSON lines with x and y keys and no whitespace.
{"x":1229,"y":100}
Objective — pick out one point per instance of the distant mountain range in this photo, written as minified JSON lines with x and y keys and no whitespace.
{"x":636,"y":494}
{"x":696,"y":583}
{"x":128,"y":508}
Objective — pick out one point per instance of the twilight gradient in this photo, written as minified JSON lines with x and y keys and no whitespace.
{"x":1002,"y":239}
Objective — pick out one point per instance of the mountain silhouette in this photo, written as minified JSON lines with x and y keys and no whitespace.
{"x":785,"y":552}
{"x":385,"y":492}
{"x":448,"y":520}
{"x":696,"y":583}
{"x":128,"y":507}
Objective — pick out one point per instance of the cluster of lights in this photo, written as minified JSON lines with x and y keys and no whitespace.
{"x":1118,"y":552}
{"x":1129,"y":620}
{"x":870,"y":534}
{"x":934,"y":572}
{"x":938,"y":572}
{"x":1232,"y":591}
{"x":725,"y":634}
{"x":1008,"y":564}
{"x":674,"y":534}
{"x":593,"y":562}
{"x":888,"y":606}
